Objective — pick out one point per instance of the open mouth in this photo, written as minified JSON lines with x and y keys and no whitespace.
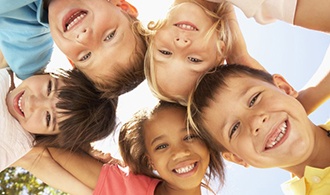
{"x":277,"y":136}
{"x":74,"y":19}
{"x":186,"y":26}
{"x":185,"y":169}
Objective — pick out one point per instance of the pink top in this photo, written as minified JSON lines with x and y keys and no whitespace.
{"x":117,"y":180}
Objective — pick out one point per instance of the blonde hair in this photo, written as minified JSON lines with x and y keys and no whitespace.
{"x":219,"y":13}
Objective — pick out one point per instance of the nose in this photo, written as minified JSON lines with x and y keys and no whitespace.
{"x":257,"y":122}
{"x":181,"y":41}
{"x":84,"y":36}
{"x":179,"y":152}
{"x":41,"y":102}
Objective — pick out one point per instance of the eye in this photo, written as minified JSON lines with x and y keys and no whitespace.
{"x":49,"y":87}
{"x":190,"y":137}
{"x":48,"y":117}
{"x":195,"y":60}
{"x":164,"y":52}
{"x":85,"y":57}
{"x":254,"y":99}
{"x":161,"y":146}
{"x":234,"y":129}
{"x":110,"y":36}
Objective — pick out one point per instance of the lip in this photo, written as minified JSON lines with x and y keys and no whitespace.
{"x":67,"y":17}
{"x":186,"y":164}
{"x":179,"y":25}
{"x":15,"y":103}
{"x":275,"y":130}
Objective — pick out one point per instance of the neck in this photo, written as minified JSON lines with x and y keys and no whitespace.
{"x":165,"y":189}
{"x":319,"y":157}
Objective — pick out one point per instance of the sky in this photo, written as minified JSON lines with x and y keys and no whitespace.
{"x":294,"y":52}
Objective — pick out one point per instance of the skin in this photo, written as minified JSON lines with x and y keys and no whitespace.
{"x":95,"y":43}
{"x":169,"y":148}
{"x":183,"y":52}
{"x":256,"y":117}
{"x":36,"y":111}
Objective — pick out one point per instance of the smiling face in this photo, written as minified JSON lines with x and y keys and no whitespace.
{"x":260,"y":124}
{"x":95,"y":35}
{"x":180,"y":159}
{"x":33,"y":104}
{"x":181,"y":51}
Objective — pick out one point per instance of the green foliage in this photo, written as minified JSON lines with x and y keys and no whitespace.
{"x":15,"y":181}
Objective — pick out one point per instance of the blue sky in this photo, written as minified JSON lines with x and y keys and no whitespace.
{"x":281,"y":48}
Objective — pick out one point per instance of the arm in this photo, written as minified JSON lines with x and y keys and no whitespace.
{"x":40,"y":163}
{"x":84,"y":167}
{"x":315,"y":95}
{"x":239,"y":53}
{"x":313,"y":14}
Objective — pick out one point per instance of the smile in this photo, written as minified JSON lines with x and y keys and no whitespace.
{"x":18,"y":103}
{"x":74,"y":19}
{"x":277,"y":136}
{"x":185,"y":169}
{"x":186,"y":26}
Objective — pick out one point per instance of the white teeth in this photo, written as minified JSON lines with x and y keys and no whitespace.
{"x":185,"y":169}
{"x":279,"y":136}
{"x":186,"y":26}
{"x":20,"y":104}
{"x":76,"y":20}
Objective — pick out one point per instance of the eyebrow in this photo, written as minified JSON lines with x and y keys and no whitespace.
{"x":156,"y":139}
{"x":54,"y":113}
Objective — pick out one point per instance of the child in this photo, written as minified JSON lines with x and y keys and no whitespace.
{"x":156,"y":141}
{"x":194,"y":37}
{"x":257,"y":120}
{"x":41,"y":112}
{"x":99,"y":37}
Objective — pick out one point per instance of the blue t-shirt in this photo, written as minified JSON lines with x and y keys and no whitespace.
{"x":25,"y":38}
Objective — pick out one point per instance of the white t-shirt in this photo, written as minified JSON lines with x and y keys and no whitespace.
{"x":15,"y":141}
{"x":266,"y":11}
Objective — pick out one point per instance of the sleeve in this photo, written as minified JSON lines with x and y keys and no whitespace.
{"x":267,"y":11}
{"x":15,"y":142}
{"x":25,"y":40}
{"x":116,"y":180}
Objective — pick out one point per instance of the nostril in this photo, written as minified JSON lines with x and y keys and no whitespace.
{"x":177,"y":39}
{"x":85,"y":30}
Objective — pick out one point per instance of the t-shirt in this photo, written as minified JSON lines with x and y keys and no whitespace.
{"x":117,"y":180}
{"x":25,"y":39}
{"x":15,"y":141}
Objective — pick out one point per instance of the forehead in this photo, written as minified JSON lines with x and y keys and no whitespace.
{"x":165,"y":120}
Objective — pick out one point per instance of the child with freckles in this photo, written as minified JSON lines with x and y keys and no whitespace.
{"x":256,"y":120}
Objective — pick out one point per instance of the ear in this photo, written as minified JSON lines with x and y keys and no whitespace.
{"x":281,"y":83}
{"x":234,"y":158}
{"x":127,"y":7}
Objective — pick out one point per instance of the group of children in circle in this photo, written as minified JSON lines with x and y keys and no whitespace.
{"x":192,"y":62}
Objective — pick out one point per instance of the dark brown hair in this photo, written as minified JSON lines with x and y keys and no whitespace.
{"x":210,"y":85}
{"x":87,"y":114}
